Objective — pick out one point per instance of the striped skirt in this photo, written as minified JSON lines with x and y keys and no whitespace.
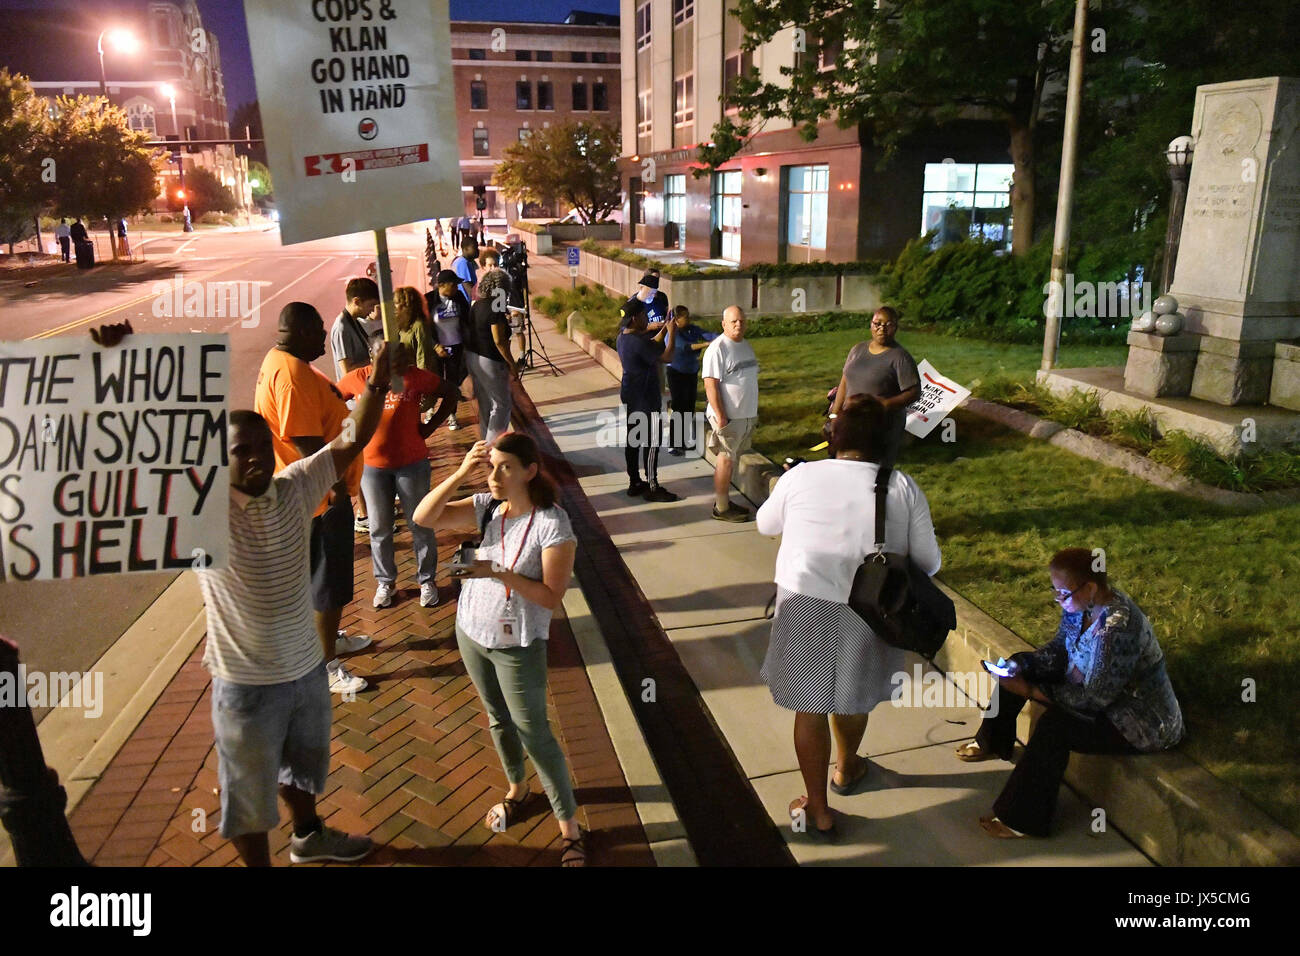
{"x":824,"y":659}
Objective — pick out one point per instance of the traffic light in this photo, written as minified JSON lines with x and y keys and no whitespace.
{"x":191,"y":132}
{"x":175,"y":155}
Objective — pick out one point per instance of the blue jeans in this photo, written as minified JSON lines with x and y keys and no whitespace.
{"x":410,"y":483}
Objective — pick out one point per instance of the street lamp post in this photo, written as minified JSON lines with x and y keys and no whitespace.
{"x":1179,"y":156}
{"x":169,"y":91}
{"x":123,"y":41}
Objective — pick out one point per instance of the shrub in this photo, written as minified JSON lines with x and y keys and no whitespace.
{"x":598,"y":308}
{"x":1136,"y":429}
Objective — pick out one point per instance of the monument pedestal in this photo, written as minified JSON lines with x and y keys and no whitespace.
{"x":1232,"y":372}
{"x":1159,"y":365}
{"x":1285,"y":390}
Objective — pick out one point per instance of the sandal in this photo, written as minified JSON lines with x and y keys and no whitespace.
{"x":507,"y":811}
{"x":972,"y":752}
{"x":574,"y":852}
{"x":996,"y":828}
{"x":829,"y":834}
{"x":845,"y":789}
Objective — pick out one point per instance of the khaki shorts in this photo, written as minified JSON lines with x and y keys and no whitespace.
{"x":733,"y":440}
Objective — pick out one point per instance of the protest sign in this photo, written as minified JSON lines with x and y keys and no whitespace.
{"x":113,"y":460}
{"x":939,"y":396}
{"x":358,"y":108}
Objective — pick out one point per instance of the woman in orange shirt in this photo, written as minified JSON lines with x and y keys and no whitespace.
{"x":397,"y":463}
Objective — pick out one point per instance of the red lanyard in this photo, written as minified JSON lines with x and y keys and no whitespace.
{"x":522,"y":541}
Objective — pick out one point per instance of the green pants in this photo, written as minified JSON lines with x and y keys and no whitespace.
{"x":511,"y":681}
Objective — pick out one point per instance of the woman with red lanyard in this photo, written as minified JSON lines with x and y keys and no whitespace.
{"x":503,"y":617}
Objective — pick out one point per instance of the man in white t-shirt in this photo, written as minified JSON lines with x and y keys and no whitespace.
{"x":730,"y":370}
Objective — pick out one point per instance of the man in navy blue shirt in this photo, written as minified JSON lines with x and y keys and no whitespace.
{"x":684,"y":377}
{"x":641,"y":354}
{"x":654,"y":301}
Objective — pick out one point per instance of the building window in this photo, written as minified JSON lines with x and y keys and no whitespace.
{"x":726,"y":212}
{"x":545,"y":56}
{"x":580,"y":96}
{"x":523,"y":95}
{"x":684,"y":100}
{"x":600,"y":57}
{"x":545,"y":95}
{"x":599,"y":98}
{"x":480,"y":142}
{"x":578,"y":57}
{"x":683,"y":10}
{"x":140,"y":116}
{"x":524,"y":134}
{"x":477,"y":53}
{"x":643,"y":27}
{"x":806,"y":206}
{"x":733,"y":68}
{"x":478,"y":95}
{"x":968,"y":199}
{"x":675,"y":205}
{"x":643,"y":124}
{"x":523,"y":54}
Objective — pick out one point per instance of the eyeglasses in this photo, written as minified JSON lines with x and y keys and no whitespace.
{"x":1063,"y":596}
{"x":884,"y":325}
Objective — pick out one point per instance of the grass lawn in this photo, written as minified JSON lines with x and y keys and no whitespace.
{"x":1215,"y":584}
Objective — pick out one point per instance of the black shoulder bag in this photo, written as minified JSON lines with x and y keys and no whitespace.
{"x":897,"y":599}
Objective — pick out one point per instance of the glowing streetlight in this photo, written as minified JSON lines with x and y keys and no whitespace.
{"x":123,"y":41}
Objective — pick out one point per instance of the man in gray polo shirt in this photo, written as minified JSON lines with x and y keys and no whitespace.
{"x":271,"y":706}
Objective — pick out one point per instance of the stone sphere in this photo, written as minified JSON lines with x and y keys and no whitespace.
{"x":1146,"y":322}
{"x":1170,"y":324}
{"x":1164,"y":305}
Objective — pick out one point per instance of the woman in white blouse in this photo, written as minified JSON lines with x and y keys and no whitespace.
{"x":824,"y":660}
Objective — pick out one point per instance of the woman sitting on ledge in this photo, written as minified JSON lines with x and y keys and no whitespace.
{"x":1104,"y":683}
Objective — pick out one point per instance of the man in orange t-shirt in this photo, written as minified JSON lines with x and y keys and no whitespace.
{"x":397,"y":463}
{"x":305,"y":412}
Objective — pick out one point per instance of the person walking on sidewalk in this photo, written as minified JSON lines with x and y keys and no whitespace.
{"x":823,"y":659}
{"x":504,"y":615}
{"x":439,"y":237}
{"x":64,"y":235}
{"x":641,"y":354}
{"x":487,"y":353}
{"x":1103,"y":681}
{"x":397,"y":463}
{"x":731,"y":386}
{"x":449,"y":312}
{"x":350,"y":346}
{"x":683,"y":378}
{"x":305,"y":412}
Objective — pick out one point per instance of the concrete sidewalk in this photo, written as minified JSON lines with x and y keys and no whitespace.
{"x":708,"y":583}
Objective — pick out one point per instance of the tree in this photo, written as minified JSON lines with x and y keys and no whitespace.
{"x":573,"y":162}
{"x":25,"y":178}
{"x":204,"y":193}
{"x":262,"y":175}
{"x":894,"y":68}
{"x":103,"y":168}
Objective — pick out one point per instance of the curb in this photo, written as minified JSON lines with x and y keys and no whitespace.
{"x":1097,"y":449}
{"x":1170,"y":807}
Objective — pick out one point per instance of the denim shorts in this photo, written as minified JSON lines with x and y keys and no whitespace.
{"x":269,"y":734}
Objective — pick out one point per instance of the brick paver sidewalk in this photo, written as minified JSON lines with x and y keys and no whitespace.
{"x":413,"y":763}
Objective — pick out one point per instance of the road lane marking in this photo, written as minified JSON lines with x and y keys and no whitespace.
{"x":286,"y":288}
{"x":67,"y":327}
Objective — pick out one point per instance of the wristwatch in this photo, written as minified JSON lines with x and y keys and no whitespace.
{"x":371,"y":386}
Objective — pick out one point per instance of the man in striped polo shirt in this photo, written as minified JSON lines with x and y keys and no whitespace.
{"x":271,"y":705}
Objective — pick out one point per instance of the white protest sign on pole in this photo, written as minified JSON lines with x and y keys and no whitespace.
{"x":939,"y":396}
{"x":358,"y":110}
{"x":113,"y":460}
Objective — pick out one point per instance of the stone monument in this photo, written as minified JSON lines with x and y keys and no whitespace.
{"x":1237,"y":277}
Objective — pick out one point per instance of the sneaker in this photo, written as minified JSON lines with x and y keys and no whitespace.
{"x":350,"y":643}
{"x":343,"y":681}
{"x":637,"y":488}
{"x":734,"y":513}
{"x":383,"y":595}
{"x":361,"y":525}
{"x":428,"y":595}
{"x":452,"y":424}
{"x":329,"y":844}
{"x":660,"y":493}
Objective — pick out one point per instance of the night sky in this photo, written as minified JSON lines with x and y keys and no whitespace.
{"x":225,"y":18}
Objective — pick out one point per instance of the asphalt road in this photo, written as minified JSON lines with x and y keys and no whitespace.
{"x":67,"y":625}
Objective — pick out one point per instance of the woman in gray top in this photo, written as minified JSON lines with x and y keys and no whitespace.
{"x":1104,"y":683}
{"x":885,"y":370}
